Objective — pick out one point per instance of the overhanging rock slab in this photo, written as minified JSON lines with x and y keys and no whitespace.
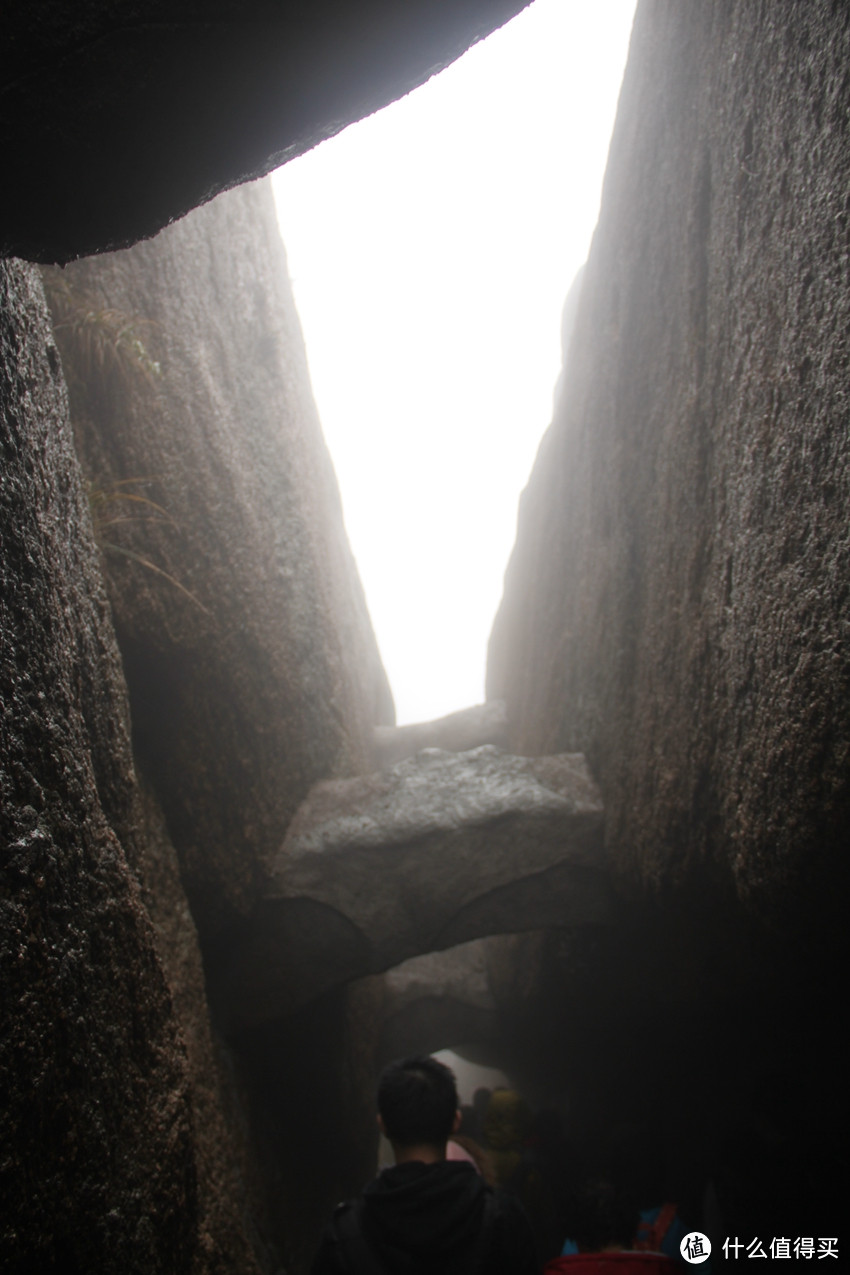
{"x":432,"y":852}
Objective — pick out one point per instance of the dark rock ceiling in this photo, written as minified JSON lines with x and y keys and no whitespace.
{"x":116,"y":118}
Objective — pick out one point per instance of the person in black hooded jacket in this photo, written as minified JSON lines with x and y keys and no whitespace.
{"x":425,"y":1215}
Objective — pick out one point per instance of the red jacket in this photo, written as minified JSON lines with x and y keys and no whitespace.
{"x":613,"y":1263}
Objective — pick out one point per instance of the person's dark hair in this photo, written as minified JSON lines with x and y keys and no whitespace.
{"x":417,"y":1101}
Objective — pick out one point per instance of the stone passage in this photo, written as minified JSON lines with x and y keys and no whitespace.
{"x":458,"y":732}
{"x":432,"y":852}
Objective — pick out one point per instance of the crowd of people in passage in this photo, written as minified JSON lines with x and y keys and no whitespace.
{"x":484,"y":1190}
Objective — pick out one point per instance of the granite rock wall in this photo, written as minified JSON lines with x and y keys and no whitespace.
{"x":100,"y":1167}
{"x":677,"y":604}
{"x":250,"y":658}
{"x":677,"y":601}
{"x":185,"y":503}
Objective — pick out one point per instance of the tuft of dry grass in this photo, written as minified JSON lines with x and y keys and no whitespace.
{"x":106,"y":361}
{"x":108,"y":503}
{"x":99,"y":342}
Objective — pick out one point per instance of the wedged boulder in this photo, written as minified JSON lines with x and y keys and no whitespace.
{"x":250,"y":658}
{"x":434,"y":851}
{"x":457,"y":732}
{"x":440,"y":999}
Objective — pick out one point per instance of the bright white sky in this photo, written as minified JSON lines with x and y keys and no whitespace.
{"x":431,"y":247}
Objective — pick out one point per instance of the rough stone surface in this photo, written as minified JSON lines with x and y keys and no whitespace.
{"x":677,"y":603}
{"x":234,"y":1226}
{"x":252,"y":667}
{"x":440,"y":999}
{"x":312,"y":1083}
{"x":457,"y":732}
{"x":250,"y":659}
{"x":137,"y":113}
{"x":439,"y":849}
{"x":133,"y":1137}
{"x":677,"y":607}
{"x":459,"y":972}
{"x":98,"y":1170}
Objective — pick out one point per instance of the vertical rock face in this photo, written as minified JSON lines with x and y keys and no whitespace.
{"x":249,"y":654}
{"x":677,"y":608}
{"x":98,"y":1168}
{"x":133,"y":1136}
{"x":231,"y":1226}
{"x":677,"y":602}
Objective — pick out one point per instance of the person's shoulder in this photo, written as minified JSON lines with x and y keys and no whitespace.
{"x":511,"y":1242}
{"x":330,"y":1258}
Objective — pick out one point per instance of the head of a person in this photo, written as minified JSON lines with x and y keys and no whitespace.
{"x":508,"y":1120}
{"x":417,"y":1102}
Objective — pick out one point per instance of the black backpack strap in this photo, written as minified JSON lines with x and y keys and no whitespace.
{"x":482,"y":1244}
{"x":358,"y":1257}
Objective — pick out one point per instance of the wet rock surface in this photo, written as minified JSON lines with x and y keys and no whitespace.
{"x":436,"y":850}
{"x":96,"y":1118}
{"x":234,"y":1222}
